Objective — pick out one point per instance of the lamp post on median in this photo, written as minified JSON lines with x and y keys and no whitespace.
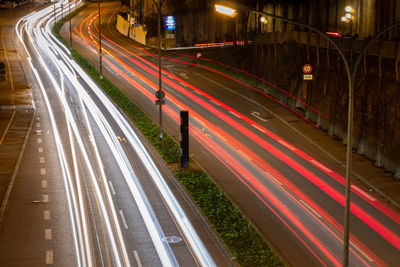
{"x":160,"y":94}
{"x":351,"y":71}
{"x":100,"y":56}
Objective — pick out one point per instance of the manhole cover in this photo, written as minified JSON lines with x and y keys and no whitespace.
{"x":172,"y":239}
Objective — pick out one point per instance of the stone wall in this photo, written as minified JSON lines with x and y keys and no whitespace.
{"x":377,"y":90}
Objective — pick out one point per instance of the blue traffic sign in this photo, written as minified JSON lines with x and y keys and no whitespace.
{"x":170,"y":22}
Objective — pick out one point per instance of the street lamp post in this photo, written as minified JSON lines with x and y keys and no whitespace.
{"x":100,"y":56}
{"x":160,"y":93}
{"x":351,"y":73}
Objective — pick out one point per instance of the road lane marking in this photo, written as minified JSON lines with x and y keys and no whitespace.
{"x":42,"y":171}
{"x":46,"y":215}
{"x":272,"y":177}
{"x":38,"y":125}
{"x":258,"y":128}
{"x":39,"y":140}
{"x":47,"y":234}
{"x":286,"y":145}
{"x":215,"y":103}
{"x":42,"y":160}
{"x":184,"y":75}
{"x":258,"y":115}
{"x":49,"y":257}
{"x":45,"y":198}
{"x":111,"y":187}
{"x":8,"y":126}
{"x":8,"y":62}
{"x":234,"y":113}
{"x":319,"y":165}
{"x":362,"y":252}
{"x":44,"y":184}
{"x":359,"y":190}
{"x":137,"y":258}
{"x":241,"y":152}
{"x":40,"y":149}
{"x":311,"y":209}
{"x":123,"y":219}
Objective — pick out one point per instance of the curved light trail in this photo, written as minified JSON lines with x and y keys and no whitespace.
{"x":64,"y":75}
{"x":240,"y":159}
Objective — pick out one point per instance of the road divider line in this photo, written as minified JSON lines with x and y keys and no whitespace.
{"x":44,"y":183}
{"x":45,"y":198}
{"x":48,"y":234}
{"x":8,"y":126}
{"x":42,"y":160}
{"x":111,"y":187}
{"x":137,"y":258}
{"x":311,"y":209}
{"x":46,"y":215}
{"x":49,"y":257}
{"x":123,"y":219}
{"x":42,"y":171}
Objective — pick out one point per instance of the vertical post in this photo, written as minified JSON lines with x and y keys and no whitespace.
{"x":70,"y":29}
{"x":159,"y":65}
{"x":184,"y":139}
{"x":348,"y":174}
{"x":100,"y":59}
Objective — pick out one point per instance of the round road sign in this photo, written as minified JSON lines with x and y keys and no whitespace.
{"x":307,"y":68}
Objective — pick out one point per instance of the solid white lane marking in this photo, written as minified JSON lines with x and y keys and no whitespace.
{"x":258,"y":115}
{"x":8,"y":126}
{"x":45,"y":198}
{"x":359,"y":190}
{"x":38,"y":124}
{"x":42,"y":171}
{"x":286,"y":145}
{"x":123,"y":219}
{"x":47,"y":234}
{"x":362,"y":252}
{"x":311,"y":209}
{"x":111,"y":187}
{"x":319,"y":165}
{"x":39,"y":140}
{"x":44,"y":184}
{"x":137,"y":258}
{"x":49,"y":257}
{"x":40,"y":149}
{"x":46,"y":215}
{"x":42,"y":160}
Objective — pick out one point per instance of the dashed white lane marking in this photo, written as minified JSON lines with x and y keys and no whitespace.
{"x":137,"y":258}
{"x":272,"y":177}
{"x":44,"y":183}
{"x":40,"y":149}
{"x":362,"y":252}
{"x":45,"y":198}
{"x":42,"y":160}
{"x":123,"y":219}
{"x":39,"y":132}
{"x":49,"y":257}
{"x":42,"y":171}
{"x":39,"y":140}
{"x":47,"y":234}
{"x":233,"y":113}
{"x":244,"y":155}
{"x":359,"y":190}
{"x":287,"y":145}
{"x":215,"y":103}
{"x":38,"y":124}
{"x":258,"y":128}
{"x":111,"y":187}
{"x":311,"y":209}
{"x":319,"y":165}
{"x":46,"y":215}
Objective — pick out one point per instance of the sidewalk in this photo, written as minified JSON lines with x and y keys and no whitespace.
{"x":16,"y":109}
{"x":365,"y":174}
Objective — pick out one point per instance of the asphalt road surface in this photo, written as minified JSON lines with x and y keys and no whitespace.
{"x":293,"y":193}
{"x":105,"y":198}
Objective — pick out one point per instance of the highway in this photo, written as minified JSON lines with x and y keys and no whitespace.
{"x":293,"y":193}
{"x":122,"y":211}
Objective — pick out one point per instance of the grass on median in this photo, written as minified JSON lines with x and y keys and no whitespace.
{"x":242,"y":239}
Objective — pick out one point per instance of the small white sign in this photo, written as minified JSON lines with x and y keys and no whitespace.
{"x":170,"y":36}
{"x":307,"y":77}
